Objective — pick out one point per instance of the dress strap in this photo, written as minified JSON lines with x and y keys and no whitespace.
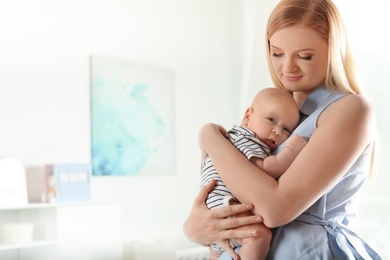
{"x":354,"y":248}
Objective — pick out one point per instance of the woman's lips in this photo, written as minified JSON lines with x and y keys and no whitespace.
{"x":292,"y":78}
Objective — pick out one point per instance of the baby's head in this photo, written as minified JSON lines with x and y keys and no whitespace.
{"x":272,"y":116}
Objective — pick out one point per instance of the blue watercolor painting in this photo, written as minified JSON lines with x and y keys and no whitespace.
{"x":132,"y":119}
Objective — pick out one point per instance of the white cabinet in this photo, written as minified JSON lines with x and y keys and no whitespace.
{"x":65,"y":231}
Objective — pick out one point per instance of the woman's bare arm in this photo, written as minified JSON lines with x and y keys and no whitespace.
{"x":204,"y":226}
{"x":344,"y":131}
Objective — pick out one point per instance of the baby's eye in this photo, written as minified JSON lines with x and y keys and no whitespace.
{"x":285,"y":129}
{"x":271,"y":119}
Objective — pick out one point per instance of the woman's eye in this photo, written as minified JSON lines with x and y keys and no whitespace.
{"x":305,"y":57}
{"x":276,"y":54}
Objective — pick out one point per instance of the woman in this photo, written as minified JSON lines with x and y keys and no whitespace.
{"x":312,"y":203}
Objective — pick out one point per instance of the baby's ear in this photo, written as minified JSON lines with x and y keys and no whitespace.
{"x":247,"y":115}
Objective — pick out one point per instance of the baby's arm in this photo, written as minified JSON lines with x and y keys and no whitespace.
{"x":275,"y":165}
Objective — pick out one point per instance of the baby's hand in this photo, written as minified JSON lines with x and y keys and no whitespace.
{"x":296,"y":143}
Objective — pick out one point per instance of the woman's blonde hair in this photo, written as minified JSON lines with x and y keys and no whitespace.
{"x":323,"y":17}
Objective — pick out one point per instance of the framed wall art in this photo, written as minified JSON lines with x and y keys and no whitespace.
{"x":132,"y":119}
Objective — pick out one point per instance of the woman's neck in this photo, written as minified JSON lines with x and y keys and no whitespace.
{"x":300,"y":97}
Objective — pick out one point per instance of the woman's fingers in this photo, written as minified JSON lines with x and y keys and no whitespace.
{"x":232,"y":210}
{"x":230,"y":223}
{"x":206,"y":226}
{"x":204,"y":192}
{"x":222,"y":212}
{"x":239,"y":233}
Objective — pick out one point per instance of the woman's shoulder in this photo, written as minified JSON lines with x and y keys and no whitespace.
{"x":351,"y":104}
{"x":351,"y":112}
{"x":356,"y":99}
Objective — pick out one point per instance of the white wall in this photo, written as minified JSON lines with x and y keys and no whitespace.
{"x":44,"y":82}
{"x":216,"y":52}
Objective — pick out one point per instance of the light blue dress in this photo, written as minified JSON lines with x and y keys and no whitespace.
{"x":321,"y":231}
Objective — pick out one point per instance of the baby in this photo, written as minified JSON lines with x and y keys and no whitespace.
{"x":267,"y":123}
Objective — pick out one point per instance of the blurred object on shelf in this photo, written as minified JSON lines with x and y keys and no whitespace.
{"x":13,"y":189}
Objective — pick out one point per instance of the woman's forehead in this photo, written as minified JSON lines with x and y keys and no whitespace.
{"x":297,"y":37}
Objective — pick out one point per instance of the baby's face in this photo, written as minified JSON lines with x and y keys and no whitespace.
{"x":273,"y":121}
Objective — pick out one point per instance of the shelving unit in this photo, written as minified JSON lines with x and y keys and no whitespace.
{"x":65,"y":231}
{"x":44,"y":220}
{"x":29,"y":245}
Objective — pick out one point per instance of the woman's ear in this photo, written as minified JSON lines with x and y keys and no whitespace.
{"x":247,"y":115}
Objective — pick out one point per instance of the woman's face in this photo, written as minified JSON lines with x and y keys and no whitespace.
{"x":299,"y":57}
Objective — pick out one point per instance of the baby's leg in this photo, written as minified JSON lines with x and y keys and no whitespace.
{"x":213,"y":254}
{"x":255,"y":248}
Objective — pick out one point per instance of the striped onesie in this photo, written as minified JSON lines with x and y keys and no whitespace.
{"x":248,"y":144}
{"x":244,"y":140}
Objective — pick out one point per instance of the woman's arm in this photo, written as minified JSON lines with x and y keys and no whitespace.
{"x":344,"y":131}
{"x":204,"y":226}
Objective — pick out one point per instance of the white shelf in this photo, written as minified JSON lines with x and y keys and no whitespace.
{"x":29,"y":206}
{"x":27,"y":245}
{"x":43,"y":217}
{"x":65,"y":231}
{"x":38,"y":205}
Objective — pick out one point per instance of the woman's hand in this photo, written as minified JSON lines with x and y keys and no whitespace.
{"x":204,"y":226}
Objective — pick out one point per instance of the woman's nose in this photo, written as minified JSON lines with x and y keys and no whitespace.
{"x":289,"y":64}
